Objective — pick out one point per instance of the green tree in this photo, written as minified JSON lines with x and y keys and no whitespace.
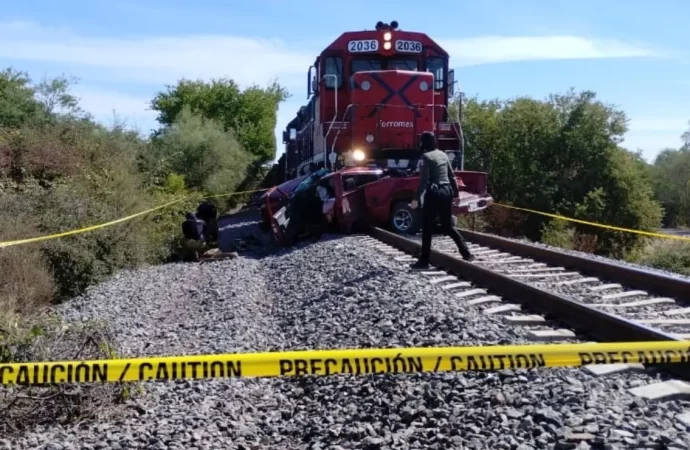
{"x":562,"y":155}
{"x":250,"y":113}
{"x":55,"y":97}
{"x":201,"y":150}
{"x":671,"y":180}
{"x":17,"y":103}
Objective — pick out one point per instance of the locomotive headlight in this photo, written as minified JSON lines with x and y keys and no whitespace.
{"x":387,"y":36}
{"x":423,"y":86}
{"x":386,"y":45}
{"x":358,"y":155}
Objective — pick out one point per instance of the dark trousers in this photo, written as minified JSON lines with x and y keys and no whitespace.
{"x":439,"y":202}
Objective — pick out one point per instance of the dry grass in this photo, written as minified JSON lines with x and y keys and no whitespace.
{"x":587,"y":243}
{"x":26,"y":286}
{"x":42,"y":152}
{"x":666,"y":254}
{"x":23,"y":407}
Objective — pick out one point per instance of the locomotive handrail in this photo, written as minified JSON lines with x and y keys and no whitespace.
{"x":335,"y":116}
{"x":460,"y":136}
{"x":339,"y":130}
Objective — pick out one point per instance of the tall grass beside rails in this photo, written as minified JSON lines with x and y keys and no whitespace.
{"x":665,"y":254}
{"x":22,"y":407}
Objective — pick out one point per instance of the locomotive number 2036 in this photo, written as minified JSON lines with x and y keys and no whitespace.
{"x":365,"y":45}
{"x":408,"y":46}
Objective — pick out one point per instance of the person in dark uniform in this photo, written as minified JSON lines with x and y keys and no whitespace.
{"x":439,"y":187}
{"x":208,"y":213}
{"x":193,"y":231}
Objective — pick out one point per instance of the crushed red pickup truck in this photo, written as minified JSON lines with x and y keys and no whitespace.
{"x":351,"y":199}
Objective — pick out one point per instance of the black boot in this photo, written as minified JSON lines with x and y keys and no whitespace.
{"x":420,"y":265}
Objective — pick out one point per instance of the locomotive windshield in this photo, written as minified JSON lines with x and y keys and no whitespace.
{"x":403,"y":64}
{"x":365,"y":64}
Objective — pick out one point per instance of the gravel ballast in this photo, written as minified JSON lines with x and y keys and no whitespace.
{"x":339,"y":293}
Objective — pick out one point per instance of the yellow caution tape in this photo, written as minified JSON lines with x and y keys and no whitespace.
{"x":355,"y":362}
{"x":108,"y":224}
{"x":599,"y":225}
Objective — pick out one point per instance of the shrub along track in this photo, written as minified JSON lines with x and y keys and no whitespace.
{"x":340,"y":293}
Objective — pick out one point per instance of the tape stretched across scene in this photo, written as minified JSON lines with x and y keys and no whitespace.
{"x":354,"y":362}
{"x":111,"y":223}
{"x":595,"y":224}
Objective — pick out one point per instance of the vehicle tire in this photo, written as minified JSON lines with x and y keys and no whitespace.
{"x":403,"y":219}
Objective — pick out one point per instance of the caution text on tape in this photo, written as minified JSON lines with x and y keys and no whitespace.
{"x":354,"y":362}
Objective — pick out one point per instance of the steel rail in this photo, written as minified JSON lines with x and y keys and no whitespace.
{"x":598,"y":324}
{"x":659,"y":284}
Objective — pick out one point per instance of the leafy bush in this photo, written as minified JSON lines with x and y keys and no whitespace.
{"x":60,"y":171}
{"x":209,"y":158}
{"x":560,"y":154}
{"x":667,"y":254}
{"x":558,"y":233}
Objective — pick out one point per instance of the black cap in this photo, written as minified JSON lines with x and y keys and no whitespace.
{"x":428,"y":141}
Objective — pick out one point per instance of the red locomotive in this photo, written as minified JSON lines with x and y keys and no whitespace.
{"x":371,"y":94}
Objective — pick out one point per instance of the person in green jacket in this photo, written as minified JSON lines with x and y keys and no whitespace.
{"x":439,"y":187}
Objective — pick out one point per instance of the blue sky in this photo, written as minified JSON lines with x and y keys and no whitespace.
{"x":633,"y":53}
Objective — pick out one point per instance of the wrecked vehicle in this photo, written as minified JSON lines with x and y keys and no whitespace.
{"x":353,"y":199}
{"x":302,"y":211}
{"x":274,"y":198}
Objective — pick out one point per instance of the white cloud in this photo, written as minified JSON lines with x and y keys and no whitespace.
{"x":165,"y":59}
{"x":670,"y":124}
{"x":157,"y":60}
{"x":499,"y":49}
{"x":655,"y":133}
{"x":651,"y":144}
{"x":107,"y":105}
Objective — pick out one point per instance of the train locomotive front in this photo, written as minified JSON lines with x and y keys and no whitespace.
{"x":371,"y":95}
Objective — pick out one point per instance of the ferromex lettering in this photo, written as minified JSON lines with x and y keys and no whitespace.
{"x":52,"y":373}
{"x":395,"y":124}
{"x":174,"y":370}
{"x":639,"y":357}
{"x":355,"y":366}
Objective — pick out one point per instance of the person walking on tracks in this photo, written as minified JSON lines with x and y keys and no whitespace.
{"x":439,"y":187}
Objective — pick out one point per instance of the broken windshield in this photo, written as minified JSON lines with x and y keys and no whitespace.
{"x":311,"y":179}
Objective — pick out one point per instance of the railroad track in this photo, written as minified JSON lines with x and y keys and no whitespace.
{"x":560,"y":298}
{"x":350,"y":292}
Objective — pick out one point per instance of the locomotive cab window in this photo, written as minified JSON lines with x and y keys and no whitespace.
{"x":437,"y":67}
{"x":403,"y":64}
{"x":333,"y":65}
{"x":363,"y":65}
